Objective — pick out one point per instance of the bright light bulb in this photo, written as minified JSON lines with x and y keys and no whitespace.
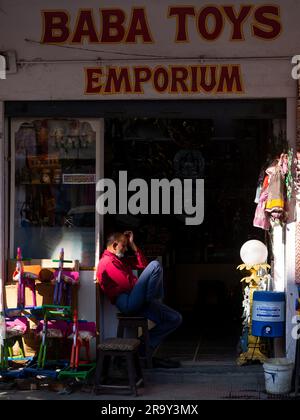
{"x":254,"y":252}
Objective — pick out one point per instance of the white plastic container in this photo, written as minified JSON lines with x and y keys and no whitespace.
{"x":278,"y":375}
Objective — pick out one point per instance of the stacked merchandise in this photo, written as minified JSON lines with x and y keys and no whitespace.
{"x":56,"y":323}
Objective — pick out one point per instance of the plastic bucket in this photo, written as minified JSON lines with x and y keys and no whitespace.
{"x":278,"y":375}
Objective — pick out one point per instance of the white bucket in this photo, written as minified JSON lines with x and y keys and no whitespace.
{"x":278,"y":375}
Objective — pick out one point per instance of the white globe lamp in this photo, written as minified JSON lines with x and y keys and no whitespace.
{"x":254,"y":252}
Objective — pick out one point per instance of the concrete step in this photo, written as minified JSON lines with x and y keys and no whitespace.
{"x":210,"y":374}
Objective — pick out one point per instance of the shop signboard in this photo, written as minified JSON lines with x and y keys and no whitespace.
{"x":162,"y":50}
{"x":79,"y":178}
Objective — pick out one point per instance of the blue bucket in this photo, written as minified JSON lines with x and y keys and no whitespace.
{"x":268,"y":314}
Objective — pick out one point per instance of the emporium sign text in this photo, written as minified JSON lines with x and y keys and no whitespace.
{"x":164,"y":79}
{"x":117,"y":26}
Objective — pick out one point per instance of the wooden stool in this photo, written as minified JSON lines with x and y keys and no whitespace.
{"x":136,"y":322}
{"x":119,"y":347}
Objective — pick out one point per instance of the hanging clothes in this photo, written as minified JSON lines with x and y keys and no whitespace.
{"x":261,"y":218}
{"x":276,"y":193}
{"x":260,"y":184}
{"x":272,"y":200}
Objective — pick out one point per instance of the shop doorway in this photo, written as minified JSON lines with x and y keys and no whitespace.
{"x":201,"y":280}
{"x":225,"y":142}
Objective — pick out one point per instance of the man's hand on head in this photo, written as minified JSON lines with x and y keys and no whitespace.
{"x":129,"y":236}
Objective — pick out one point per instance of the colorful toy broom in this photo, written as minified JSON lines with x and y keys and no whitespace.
{"x":59,"y":281}
{"x":55,"y":319}
{"x":82,"y":332}
{"x":24,"y":280}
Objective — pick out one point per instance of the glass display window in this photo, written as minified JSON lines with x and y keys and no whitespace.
{"x":53,"y":187}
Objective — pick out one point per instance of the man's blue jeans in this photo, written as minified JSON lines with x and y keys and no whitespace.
{"x":145,"y":300}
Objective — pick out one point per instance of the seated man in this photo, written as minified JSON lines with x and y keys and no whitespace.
{"x":140,"y":296}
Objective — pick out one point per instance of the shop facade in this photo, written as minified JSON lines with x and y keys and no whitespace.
{"x":72,"y":67}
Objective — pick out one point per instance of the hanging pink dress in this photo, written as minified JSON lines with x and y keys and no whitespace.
{"x":261,"y":218}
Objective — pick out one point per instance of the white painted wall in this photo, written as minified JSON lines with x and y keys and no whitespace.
{"x":291,"y":290}
{"x":279,"y":260}
{"x":108,"y":319}
{"x":2,"y":207}
{"x":87,"y":301}
{"x":290,"y":257}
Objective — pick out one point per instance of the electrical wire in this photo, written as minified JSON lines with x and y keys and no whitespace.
{"x":101,"y":51}
{"x":143,"y":57}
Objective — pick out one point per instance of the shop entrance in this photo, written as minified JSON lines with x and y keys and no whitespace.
{"x":201,"y":280}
